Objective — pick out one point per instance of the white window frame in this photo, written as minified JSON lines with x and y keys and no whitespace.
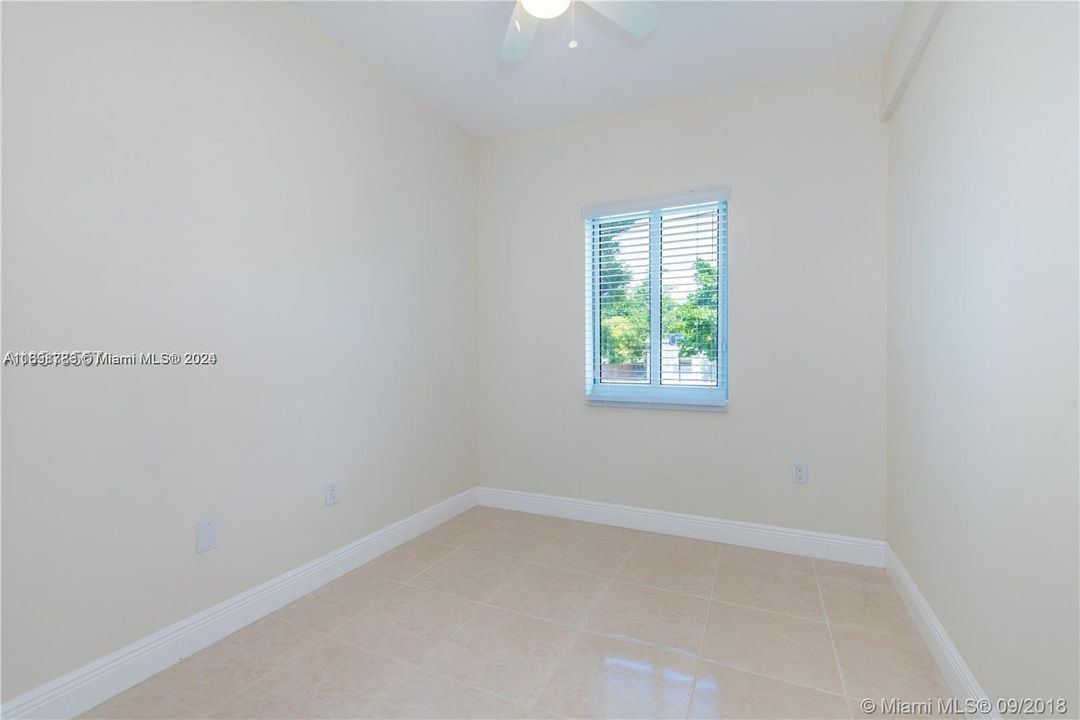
{"x":653,"y":394}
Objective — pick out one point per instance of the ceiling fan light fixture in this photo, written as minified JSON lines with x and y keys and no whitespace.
{"x":545,"y":9}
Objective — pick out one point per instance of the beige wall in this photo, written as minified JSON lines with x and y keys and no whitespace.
{"x":268,"y":197}
{"x":983,"y":340}
{"x":216,"y":177}
{"x":806,"y":164}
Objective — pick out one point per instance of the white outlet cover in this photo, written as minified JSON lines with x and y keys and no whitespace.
{"x":331,"y":492}
{"x":206,"y":536}
{"x":799,"y":473}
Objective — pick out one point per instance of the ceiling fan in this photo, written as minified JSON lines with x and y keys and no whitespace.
{"x":636,"y":17}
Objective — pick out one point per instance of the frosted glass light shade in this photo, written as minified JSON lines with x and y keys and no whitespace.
{"x":545,"y":9}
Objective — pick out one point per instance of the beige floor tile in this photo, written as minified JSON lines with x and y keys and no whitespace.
{"x":468,"y":574}
{"x":142,"y":703}
{"x":849,"y":571}
{"x":678,"y":545}
{"x":271,"y":639}
{"x":315,"y":613}
{"x":513,"y":539}
{"x":664,"y":618}
{"x":877,"y":665}
{"x":409,"y":624}
{"x":591,"y":549}
{"x":686,"y":572}
{"x":604,"y":533}
{"x":331,"y":680}
{"x":603,"y":677}
{"x":779,"y":646}
{"x":522,"y":519}
{"x":868,"y":605}
{"x":357,"y":590}
{"x":557,"y":595}
{"x":722,"y":692}
{"x":769,"y":588}
{"x":213,"y":675}
{"x":505,"y":653}
{"x":430,"y":696}
{"x":459,"y":530}
{"x":765,"y":652}
{"x":481,"y":512}
{"x":753,"y":556}
{"x":408,"y":560}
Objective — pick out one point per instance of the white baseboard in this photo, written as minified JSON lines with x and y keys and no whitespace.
{"x":954,"y":670}
{"x":92,"y":684}
{"x":766,"y":537}
{"x":82,"y":689}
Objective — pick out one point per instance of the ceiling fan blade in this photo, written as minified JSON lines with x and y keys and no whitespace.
{"x":519,"y":34}
{"x":638,"y":18}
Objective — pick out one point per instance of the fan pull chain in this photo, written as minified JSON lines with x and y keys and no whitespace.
{"x":573,"y":25}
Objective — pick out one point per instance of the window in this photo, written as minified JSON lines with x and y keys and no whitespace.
{"x":656,"y":301}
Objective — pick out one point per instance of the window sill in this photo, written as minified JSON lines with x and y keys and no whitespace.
{"x":666,"y":398}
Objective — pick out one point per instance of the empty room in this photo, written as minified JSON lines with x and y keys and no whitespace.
{"x":540,"y":359}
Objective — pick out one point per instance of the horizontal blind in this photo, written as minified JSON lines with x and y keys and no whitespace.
{"x":690,"y":295}
{"x":656,"y":297}
{"x":621,"y":296}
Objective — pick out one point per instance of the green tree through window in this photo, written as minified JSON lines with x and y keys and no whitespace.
{"x":695,"y":318}
{"x":624,"y":306}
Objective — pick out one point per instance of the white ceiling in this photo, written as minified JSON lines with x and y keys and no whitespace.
{"x":447,"y":53}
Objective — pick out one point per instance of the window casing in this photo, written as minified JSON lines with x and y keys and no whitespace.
{"x":656,"y":301}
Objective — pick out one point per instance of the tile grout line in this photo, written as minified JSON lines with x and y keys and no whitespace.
{"x":408,"y":583}
{"x":531,"y":705}
{"x":707,"y":598}
{"x":759,"y":674}
{"x":401,"y":583}
{"x":584,"y":628}
{"x":705,"y":627}
{"x":485,"y":604}
{"x":710,"y":600}
{"x":319,"y":636}
{"x":524,"y":565}
{"x":832,"y":643}
{"x":420,"y":668}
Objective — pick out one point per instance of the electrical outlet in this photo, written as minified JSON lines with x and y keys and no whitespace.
{"x":331,"y":492}
{"x":799,"y":473}
{"x":205,"y":535}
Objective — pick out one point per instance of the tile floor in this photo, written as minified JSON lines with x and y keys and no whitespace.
{"x":498,"y":614}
